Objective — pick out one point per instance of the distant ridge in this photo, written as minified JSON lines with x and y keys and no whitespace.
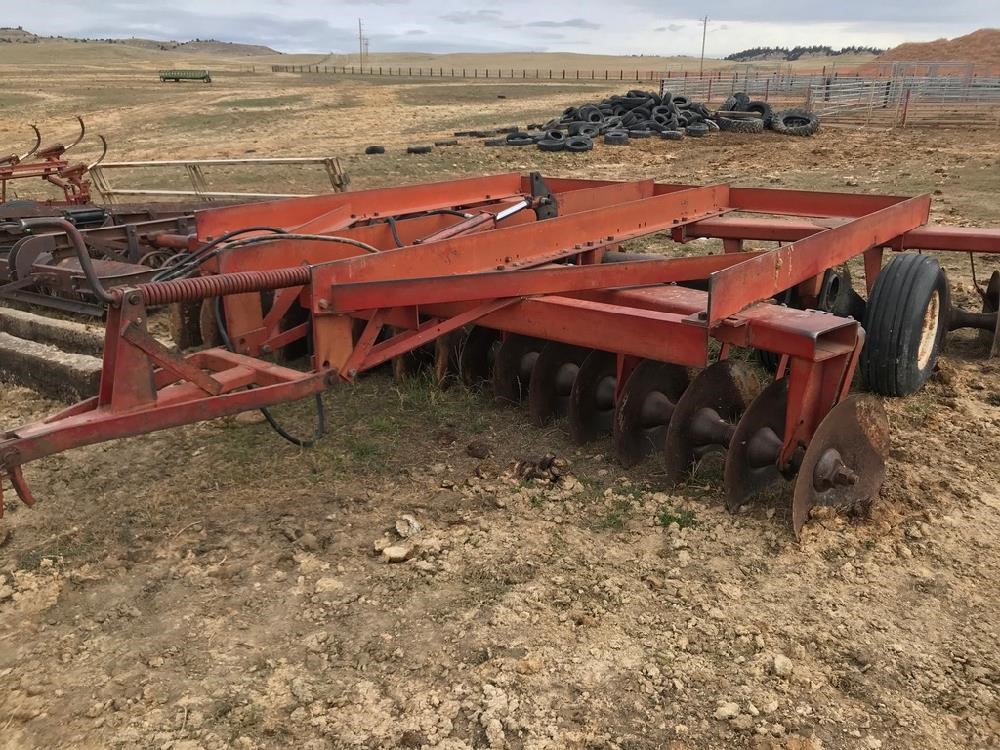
{"x":785,"y":54}
{"x":982,"y":46}
{"x":17,"y":35}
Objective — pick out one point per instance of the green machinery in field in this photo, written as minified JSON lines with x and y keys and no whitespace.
{"x":177,"y":76}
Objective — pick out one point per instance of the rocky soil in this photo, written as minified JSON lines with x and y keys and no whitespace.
{"x":437,"y":574}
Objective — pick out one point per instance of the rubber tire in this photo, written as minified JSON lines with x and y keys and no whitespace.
{"x":551,"y":145}
{"x":520,"y":139}
{"x":495,"y":142}
{"x":778,"y":122}
{"x":375,"y":150}
{"x":449,"y":142}
{"x":672,"y":135}
{"x":764,"y":109}
{"x":749,"y":125}
{"x":894,"y":324}
{"x":616,"y":138}
{"x":579,"y":143}
{"x":640,"y":133}
{"x":419,"y":149}
{"x":697,"y":129}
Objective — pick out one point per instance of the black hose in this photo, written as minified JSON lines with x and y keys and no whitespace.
{"x":190,"y":261}
{"x":320,"y":413}
{"x":82,"y":253}
{"x":391,"y":221}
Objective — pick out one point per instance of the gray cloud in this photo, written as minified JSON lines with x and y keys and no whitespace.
{"x":570,"y":23}
{"x":479,"y":16}
{"x":600,"y":27}
{"x":796,"y":11}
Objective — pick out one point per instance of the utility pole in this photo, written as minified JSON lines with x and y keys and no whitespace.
{"x":704,"y":32}
{"x":361,"y":45}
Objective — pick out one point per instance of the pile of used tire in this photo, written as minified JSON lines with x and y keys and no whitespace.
{"x":644,"y":114}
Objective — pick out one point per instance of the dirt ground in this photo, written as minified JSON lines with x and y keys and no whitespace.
{"x":214,"y":587}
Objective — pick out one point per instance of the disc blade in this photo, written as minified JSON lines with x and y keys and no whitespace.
{"x":758,"y":435}
{"x":476,"y":357}
{"x":726,"y":387}
{"x":512,"y":368}
{"x":844,"y":465}
{"x":552,"y":381}
{"x":645,"y":407}
{"x":591,"y":402}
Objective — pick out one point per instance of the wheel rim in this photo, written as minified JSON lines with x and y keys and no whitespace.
{"x":929,"y":330}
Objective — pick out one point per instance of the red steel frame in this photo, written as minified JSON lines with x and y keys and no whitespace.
{"x":509,"y":274}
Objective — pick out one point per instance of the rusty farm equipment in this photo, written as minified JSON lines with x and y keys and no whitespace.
{"x":521,"y":282}
{"x":51,"y":165}
{"x":127,"y":242}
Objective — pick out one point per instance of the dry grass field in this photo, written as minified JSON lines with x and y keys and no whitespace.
{"x":214,"y":587}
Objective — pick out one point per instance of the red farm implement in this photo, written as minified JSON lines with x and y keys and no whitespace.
{"x":520,"y":281}
{"x":51,"y":165}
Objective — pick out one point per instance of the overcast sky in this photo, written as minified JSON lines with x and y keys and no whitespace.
{"x":593,"y":26}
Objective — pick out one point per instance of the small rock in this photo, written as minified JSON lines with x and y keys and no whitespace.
{"x":309,"y":542}
{"x":249,"y":417}
{"x":327,"y":585}
{"x":398,"y":553}
{"x":727,"y":711}
{"x":6,"y":592}
{"x":407,"y":526}
{"x":743,"y":722}
{"x":782,"y":665}
{"x":478,"y":449}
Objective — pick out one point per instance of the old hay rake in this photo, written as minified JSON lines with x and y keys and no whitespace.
{"x":520,"y":281}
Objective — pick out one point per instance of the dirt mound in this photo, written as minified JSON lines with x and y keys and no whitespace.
{"x":982,"y":46}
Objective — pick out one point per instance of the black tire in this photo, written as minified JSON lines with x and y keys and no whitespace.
{"x":584,"y":128}
{"x":555,"y":135}
{"x":742,"y":101}
{"x":713,"y":126}
{"x":672,"y":135}
{"x":520,"y":139}
{"x":640,"y":133}
{"x":419,"y":149}
{"x":730,"y":104}
{"x":495,"y":142}
{"x":763,"y":109}
{"x":375,"y":150}
{"x":906,"y":323}
{"x":794,"y":122}
{"x":697,"y":130}
{"x":681,"y":102}
{"x":748,"y":125}
{"x":616,"y":138}
{"x":552,"y":145}
{"x":579,"y":143}
{"x":507,"y":129}
{"x":449,"y":142}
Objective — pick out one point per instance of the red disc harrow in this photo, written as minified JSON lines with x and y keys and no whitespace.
{"x":520,"y":281}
